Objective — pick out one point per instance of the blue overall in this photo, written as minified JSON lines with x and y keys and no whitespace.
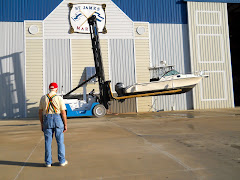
{"x":52,"y":123}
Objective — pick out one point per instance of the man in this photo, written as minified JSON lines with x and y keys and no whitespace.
{"x":50,"y":108}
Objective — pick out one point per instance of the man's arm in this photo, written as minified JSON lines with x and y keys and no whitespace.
{"x":40,"y":114}
{"x":64,"y":118}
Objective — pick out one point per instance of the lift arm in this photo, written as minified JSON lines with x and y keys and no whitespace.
{"x":103,"y":85}
{"x":65,"y":96}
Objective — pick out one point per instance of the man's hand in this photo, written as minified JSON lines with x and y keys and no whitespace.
{"x":65,"y":129}
{"x":40,"y":111}
{"x":64,"y":118}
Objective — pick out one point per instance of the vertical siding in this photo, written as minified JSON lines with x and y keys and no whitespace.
{"x":169,"y":42}
{"x":118,"y":25}
{"x":122,"y":69}
{"x":12,"y":74}
{"x":82,"y":56}
{"x":122,"y":61}
{"x":210,"y":51}
{"x":58,"y":64}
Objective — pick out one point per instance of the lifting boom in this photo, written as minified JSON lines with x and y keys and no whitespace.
{"x":103,"y":85}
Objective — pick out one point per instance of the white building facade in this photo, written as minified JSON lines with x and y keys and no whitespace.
{"x":41,"y":50}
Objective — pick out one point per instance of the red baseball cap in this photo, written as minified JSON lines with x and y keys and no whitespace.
{"x":53,"y":85}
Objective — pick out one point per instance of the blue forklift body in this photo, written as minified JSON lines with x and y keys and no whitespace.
{"x":80,"y":113}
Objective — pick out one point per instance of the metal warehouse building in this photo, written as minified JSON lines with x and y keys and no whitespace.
{"x":193,"y":35}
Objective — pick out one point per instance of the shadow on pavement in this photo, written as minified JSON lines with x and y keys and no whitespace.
{"x":22,"y":125}
{"x":15,"y":163}
{"x":28,"y":164}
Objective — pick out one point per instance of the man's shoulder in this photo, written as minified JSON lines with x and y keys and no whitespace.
{"x":61,"y":101}
{"x":59,"y":97}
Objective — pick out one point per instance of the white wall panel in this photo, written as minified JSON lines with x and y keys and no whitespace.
{"x":12,"y":71}
{"x":169,"y":42}
{"x":58,"y":64}
{"x":118,"y":25}
{"x":122,"y":62}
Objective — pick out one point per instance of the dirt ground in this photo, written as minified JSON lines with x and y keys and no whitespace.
{"x":178,"y":145}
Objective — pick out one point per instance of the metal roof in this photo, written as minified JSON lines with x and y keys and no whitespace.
{"x":20,"y":10}
{"x":153,"y":11}
{"x":220,"y":1}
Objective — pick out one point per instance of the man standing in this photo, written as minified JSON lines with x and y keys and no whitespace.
{"x":50,"y":108}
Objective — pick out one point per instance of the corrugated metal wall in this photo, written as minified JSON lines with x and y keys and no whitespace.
{"x":122,"y":69}
{"x":122,"y":62}
{"x":12,"y":73}
{"x":210,"y":51}
{"x":169,"y":43}
{"x":118,"y":25}
{"x":58,"y":64}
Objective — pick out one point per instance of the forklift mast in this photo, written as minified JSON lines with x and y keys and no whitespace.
{"x":96,"y":49}
{"x":103,"y":85}
{"x":104,"y":88}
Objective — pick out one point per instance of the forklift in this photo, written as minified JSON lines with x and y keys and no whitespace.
{"x":97,"y":105}
{"x":93,"y":105}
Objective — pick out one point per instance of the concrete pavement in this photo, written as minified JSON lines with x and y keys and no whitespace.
{"x":165,"y":145}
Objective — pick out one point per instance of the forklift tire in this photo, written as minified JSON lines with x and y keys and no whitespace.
{"x":99,"y":111}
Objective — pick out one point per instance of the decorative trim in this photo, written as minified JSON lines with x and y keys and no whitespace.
{"x":199,"y":52}
{"x":25,"y":68}
{"x":224,"y":84}
{"x":217,"y":12}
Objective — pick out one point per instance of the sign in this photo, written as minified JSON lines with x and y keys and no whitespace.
{"x":79,"y":14}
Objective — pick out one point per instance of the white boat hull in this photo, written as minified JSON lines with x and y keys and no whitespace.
{"x":184,"y":82}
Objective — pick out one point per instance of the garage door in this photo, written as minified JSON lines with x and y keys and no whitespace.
{"x":210,"y":51}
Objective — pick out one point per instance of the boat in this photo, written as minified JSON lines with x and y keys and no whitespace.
{"x":164,"y":79}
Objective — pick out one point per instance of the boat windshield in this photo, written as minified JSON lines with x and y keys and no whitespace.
{"x":170,"y":73}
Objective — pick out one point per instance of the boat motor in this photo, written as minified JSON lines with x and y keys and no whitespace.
{"x":120,"y":89}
